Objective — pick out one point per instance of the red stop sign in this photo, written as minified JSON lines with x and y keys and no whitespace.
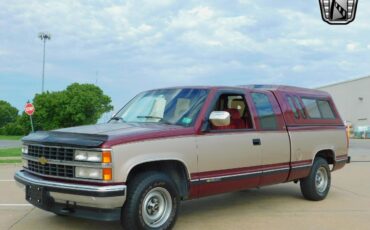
{"x":29,"y":109}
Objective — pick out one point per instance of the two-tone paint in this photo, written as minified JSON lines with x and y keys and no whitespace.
{"x":218,"y":161}
{"x":227,"y":160}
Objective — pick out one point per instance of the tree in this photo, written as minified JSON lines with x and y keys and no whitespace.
{"x":8,"y":113}
{"x":14,"y":128}
{"x":79,"y":104}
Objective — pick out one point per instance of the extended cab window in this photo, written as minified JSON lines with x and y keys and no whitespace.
{"x":326,"y":110}
{"x":265,"y":111}
{"x":311,"y":107}
{"x":292,"y":107}
{"x":300,"y":108}
{"x":318,"y":109}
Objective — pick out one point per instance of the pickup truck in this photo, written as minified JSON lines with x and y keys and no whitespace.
{"x":173,"y":144}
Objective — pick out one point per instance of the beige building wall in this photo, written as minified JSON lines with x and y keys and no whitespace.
{"x":352,"y":99}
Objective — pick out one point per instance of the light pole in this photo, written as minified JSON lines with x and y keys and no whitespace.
{"x":44,"y":37}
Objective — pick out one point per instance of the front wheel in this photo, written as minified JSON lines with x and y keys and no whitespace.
{"x":317,"y":185}
{"x":152,"y":202}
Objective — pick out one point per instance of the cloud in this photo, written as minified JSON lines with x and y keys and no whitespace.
{"x":187,"y":19}
{"x":308,"y":42}
{"x":298,"y":68}
{"x":135,"y":45}
{"x":352,"y":47}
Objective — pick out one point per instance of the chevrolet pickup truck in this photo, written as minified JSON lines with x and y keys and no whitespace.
{"x":173,"y":144}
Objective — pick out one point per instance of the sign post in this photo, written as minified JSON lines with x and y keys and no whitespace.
{"x":29,"y":109}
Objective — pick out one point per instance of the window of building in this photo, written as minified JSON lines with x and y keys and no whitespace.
{"x":265,"y":111}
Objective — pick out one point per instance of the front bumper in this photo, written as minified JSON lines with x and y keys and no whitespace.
{"x":86,"y":201}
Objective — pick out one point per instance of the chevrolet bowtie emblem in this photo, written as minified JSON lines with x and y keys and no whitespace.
{"x":43,"y":160}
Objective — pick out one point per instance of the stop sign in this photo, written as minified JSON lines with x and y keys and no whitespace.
{"x":29,"y":109}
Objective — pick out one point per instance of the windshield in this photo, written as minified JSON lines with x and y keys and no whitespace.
{"x":168,"y":106}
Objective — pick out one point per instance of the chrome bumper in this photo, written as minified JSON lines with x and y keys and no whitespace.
{"x":101,"y":197}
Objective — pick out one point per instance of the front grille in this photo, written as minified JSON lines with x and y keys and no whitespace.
{"x":54,"y":153}
{"x":51,"y":169}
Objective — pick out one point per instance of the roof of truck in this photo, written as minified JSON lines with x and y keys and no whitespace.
{"x":275,"y":88}
{"x":286,"y":88}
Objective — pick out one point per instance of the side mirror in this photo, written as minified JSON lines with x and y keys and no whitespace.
{"x":220,"y":118}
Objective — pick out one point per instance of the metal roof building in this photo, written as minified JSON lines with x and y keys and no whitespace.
{"x":352,"y":99}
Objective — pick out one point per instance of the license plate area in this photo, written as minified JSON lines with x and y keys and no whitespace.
{"x":35,"y":195}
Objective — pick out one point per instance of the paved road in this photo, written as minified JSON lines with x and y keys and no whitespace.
{"x":273,"y":207}
{"x":10,"y":144}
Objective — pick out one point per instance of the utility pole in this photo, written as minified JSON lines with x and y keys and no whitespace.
{"x":44,"y":37}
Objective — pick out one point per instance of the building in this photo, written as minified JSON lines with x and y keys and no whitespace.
{"x":352,"y":98}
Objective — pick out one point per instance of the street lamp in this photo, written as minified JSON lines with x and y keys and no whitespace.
{"x":44,"y":37}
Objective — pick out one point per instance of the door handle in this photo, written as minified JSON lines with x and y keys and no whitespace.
{"x":256,"y":141}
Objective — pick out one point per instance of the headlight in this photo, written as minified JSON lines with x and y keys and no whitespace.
{"x":89,"y":173}
{"x":25,"y":149}
{"x":81,"y":155}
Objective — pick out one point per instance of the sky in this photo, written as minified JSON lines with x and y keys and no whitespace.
{"x":126,"y":47}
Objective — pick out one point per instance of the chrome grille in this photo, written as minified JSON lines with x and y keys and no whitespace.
{"x":51,"y":169}
{"x":54,"y":153}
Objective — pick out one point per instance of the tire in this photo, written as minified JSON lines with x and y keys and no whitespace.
{"x":316,"y":186}
{"x":152,"y":202}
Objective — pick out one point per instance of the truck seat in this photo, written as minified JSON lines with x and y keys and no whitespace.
{"x":236,"y":119}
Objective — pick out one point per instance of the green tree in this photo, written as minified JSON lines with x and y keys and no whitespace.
{"x":8,"y":113}
{"x":79,"y":104}
{"x":14,"y":128}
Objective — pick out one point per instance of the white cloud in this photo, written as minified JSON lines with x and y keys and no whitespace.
{"x":298,"y":68}
{"x":352,"y":47}
{"x":308,"y":42}
{"x":3,"y":52}
{"x":204,"y":26}
{"x":159,"y":43}
{"x":187,"y":19}
{"x":262,"y":66}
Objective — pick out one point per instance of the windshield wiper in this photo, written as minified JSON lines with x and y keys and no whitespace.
{"x":161,"y":119}
{"x":117,"y":119}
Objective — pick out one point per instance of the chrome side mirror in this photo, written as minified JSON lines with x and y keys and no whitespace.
{"x":220,"y":118}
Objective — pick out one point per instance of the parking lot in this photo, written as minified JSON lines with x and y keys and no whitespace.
{"x":273,"y":207}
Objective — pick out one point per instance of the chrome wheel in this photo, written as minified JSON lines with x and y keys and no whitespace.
{"x":321,"y":180}
{"x":156,"y":207}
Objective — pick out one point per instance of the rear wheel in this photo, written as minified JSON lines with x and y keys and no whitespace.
{"x":317,"y":185}
{"x":152,"y":202}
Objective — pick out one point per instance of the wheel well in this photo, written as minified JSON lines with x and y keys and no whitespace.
{"x":175,"y":169}
{"x":327,"y":154}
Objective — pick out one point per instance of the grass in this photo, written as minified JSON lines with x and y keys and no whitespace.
{"x":13,"y":152}
{"x":9,"y":161}
{"x":10,"y":138}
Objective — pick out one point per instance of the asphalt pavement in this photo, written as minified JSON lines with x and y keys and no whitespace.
{"x":9,"y":144}
{"x":273,"y":207}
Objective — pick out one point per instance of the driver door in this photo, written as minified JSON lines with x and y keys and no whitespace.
{"x":228,"y":157}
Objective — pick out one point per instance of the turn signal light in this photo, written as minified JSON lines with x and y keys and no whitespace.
{"x":106,"y":157}
{"x":107,"y":174}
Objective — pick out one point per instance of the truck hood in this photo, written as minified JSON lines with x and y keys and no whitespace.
{"x":105,"y":135}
